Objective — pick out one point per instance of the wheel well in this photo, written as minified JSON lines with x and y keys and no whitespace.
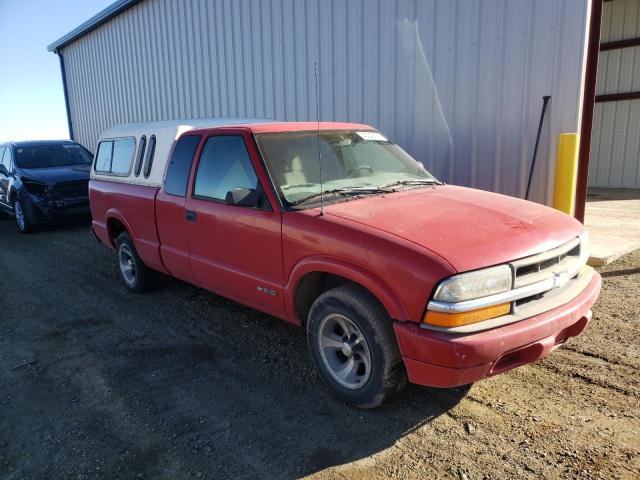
{"x":311,"y":286}
{"x":115,"y":227}
{"x":12,"y":196}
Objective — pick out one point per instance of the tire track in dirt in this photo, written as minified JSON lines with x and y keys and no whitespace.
{"x":600,"y":356}
{"x":605,"y":374}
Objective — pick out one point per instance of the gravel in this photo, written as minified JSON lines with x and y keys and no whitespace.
{"x":96,"y":382}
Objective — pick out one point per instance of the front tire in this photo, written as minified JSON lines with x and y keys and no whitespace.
{"x":353,"y":347}
{"x":135,"y":275}
{"x":23,"y":217}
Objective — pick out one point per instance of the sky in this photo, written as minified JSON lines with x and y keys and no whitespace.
{"x":31,"y":95}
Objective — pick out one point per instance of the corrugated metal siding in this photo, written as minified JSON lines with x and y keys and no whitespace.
{"x":457,"y":83}
{"x":615,"y":150}
{"x":620,"y":20}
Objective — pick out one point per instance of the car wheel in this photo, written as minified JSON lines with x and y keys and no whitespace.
{"x":22,"y":215}
{"x":136,"y":276}
{"x":353,"y":347}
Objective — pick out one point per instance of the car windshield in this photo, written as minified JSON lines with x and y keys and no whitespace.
{"x":54,"y":155}
{"x":350,"y":162}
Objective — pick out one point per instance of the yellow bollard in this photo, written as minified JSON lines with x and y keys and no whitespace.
{"x":564,"y":196}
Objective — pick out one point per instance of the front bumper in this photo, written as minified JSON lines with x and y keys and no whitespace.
{"x":47,"y":210}
{"x":444,"y":359}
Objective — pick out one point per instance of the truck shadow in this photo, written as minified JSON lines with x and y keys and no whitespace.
{"x":177,"y":382}
{"x":264,"y":420}
{"x":382,"y":428}
{"x":240,"y":386}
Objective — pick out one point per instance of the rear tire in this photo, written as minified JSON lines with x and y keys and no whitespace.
{"x":135,"y":275}
{"x":23,"y":216}
{"x":353,"y":347}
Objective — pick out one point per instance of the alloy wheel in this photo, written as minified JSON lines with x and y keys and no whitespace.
{"x":127,"y":264}
{"x":344,"y":351}
{"x":19,"y":214}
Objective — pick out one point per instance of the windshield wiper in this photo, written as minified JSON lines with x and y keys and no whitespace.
{"x":415,"y":181}
{"x":367,"y":189}
{"x":343,"y":190}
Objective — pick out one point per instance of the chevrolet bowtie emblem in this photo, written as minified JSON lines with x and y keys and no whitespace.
{"x":559,"y":280}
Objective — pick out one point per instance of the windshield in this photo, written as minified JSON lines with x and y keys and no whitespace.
{"x":356,"y":162}
{"x":55,"y":155}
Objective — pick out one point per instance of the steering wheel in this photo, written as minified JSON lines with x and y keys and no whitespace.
{"x":358,"y":168}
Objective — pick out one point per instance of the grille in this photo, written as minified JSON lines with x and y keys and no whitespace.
{"x":549,"y":263}
{"x":71,"y":190}
{"x":527,"y":270}
{"x":539,"y":267}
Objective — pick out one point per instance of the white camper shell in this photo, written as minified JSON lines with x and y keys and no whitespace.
{"x":137,"y":153}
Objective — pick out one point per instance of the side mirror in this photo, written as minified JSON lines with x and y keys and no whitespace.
{"x":242,"y":197}
{"x":3,"y":171}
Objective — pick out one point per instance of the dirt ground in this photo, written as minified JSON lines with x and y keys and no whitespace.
{"x":96,"y":382}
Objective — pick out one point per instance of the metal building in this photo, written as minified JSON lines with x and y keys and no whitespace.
{"x":615,"y":155}
{"x":457,"y":83}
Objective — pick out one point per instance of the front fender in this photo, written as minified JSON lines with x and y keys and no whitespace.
{"x":352,"y":271}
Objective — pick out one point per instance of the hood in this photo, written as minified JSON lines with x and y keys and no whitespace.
{"x":53,"y":175}
{"x":469,"y":228}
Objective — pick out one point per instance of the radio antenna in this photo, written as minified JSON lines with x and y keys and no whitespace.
{"x":318,"y":137}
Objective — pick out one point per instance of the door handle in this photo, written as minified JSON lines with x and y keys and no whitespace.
{"x":190,"y":215}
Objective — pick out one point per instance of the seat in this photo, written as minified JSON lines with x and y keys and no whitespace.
{"x":296,"y":174}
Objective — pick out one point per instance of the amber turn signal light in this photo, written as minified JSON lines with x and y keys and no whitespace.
{"x":442,"y":319}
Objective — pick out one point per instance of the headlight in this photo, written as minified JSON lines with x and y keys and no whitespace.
{"x":469,"y":286}
{"x":36,"y":188}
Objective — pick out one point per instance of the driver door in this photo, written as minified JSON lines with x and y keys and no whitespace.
{"x":235,"y":251}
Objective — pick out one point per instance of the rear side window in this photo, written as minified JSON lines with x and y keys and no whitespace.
{"x":180,"y":165}
{"x":224,"y":165}
{"x":140,"y":155}
{"x":148,"y":157}
{"x":103,"y":157}
{"x":115,"y":156}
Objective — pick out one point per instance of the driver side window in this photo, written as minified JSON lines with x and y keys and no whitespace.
{"x":224,"y":166}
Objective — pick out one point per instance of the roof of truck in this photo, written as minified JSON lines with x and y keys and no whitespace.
{"x":306,"y":126}
{"x":273,"y":127}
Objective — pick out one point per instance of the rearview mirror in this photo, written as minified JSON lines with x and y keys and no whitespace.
{"x":242,"y":197}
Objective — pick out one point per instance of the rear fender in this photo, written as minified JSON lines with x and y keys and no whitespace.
{"x":148,"y":250}
{"x":114,"y":214}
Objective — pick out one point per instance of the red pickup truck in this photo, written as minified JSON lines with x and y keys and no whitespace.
{"x":333,"y":227}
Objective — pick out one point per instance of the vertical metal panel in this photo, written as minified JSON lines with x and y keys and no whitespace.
{"x":458,"y":84}
{"x":615,"y":150}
